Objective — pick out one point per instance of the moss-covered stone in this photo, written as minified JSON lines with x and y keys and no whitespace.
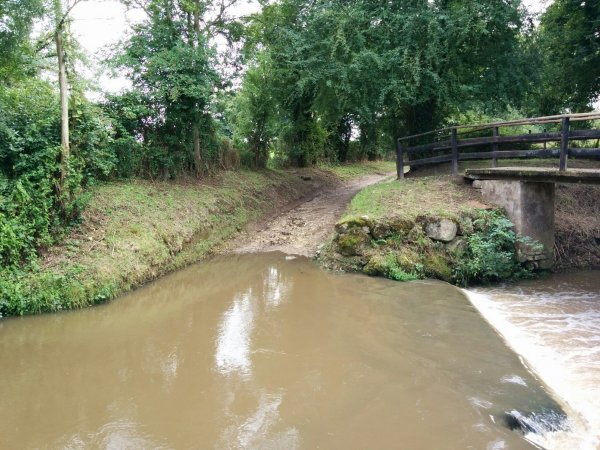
{"x":417,"y":235}
{"x":377,"y":265}
{"x":408,"y":258}
{"x":353,"y":242}
{"x":402,"y":226}
{"x":381,"y":230}
{"x":458,"y":246}
{"x":351,"y":222}
{"x":437,"y":265}
{"x":443,"y":230}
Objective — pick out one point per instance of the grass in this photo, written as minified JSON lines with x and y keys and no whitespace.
{"x":352,"y":170}
{"x":134,"y":231}
{"x":442,"y":196}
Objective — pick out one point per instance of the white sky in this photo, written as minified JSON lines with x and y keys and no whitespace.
{"x":101,"y":23}
{"x":98,"y":24}
{"x":536,"y":6}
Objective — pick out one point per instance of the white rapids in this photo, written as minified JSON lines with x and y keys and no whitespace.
{"x":554,"y":325}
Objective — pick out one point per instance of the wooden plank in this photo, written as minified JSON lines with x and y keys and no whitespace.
{"x":575,"y":135}
{"x":435,"y":146}
{"x":502,"y":154}
{"x":510,"y":154}
{"x":584,"y":152}
{"x":453,"y":140}
{"x":536,"y":175}
{"x":432,"y":160}
{"x":532,"y":138}
{"x":594,"y":115}
{"x":564,"y":144}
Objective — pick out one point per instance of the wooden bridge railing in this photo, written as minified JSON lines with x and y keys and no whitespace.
{"x":453,"y":141}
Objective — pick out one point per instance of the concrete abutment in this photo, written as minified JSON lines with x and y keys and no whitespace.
{"x":530,"y":206}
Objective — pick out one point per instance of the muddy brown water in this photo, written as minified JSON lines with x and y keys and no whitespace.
{"x":264,"y":351}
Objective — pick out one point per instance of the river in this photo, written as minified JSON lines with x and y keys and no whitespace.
{"x":269,"y":351}
{"x":554,"y":324}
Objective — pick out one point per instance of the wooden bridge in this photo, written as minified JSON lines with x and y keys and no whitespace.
{"x":488,"y":141}
{"x":525,"y":192}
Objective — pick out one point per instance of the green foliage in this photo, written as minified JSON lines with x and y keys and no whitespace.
{"x":172,"y":70}
{"x":491,"y":252}
{"x":569,"y":49}
{"x":36,"y":291}
{"x":28,"y":162}
{"x":93,"y":151}
{"x":29,"y":153}
{"x":394,"y":271}
{"x":253,"y":114}
{"x":16,"y":51}
{"x":340,"y":70}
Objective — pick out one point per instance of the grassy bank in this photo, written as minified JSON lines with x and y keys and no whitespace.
{"x":134,"y":231}
{"x":349,"y":171}
{"x":430,"y":227}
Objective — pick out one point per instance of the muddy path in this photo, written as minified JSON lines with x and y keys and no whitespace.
{"x":302,"y":229}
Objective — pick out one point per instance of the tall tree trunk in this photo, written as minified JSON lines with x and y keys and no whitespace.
{"x":64,"y":105}
{"x":196,"y":125}
{"x":197,"y":151}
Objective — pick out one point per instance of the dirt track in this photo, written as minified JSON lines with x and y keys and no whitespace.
{"x":303,"y":229}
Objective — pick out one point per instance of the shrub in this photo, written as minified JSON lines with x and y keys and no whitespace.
{"x":491,"y":252}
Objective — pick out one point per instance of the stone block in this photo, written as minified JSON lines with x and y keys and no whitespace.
{"x":443,"y":230}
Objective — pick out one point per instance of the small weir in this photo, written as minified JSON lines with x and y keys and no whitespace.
{"x":554,"y":324}
{"x":269,"y":351}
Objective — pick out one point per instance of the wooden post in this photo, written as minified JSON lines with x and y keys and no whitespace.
{"x":564,"y":144}
{"x":495,"y":147}
{"x":454,"y":143}
{"x":545,"y":146}
{"x":399,"y":160}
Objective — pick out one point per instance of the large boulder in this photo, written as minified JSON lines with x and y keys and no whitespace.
{"x":443,"y":230}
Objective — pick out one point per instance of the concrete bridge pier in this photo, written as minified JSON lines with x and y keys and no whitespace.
{"x":530,"y":206}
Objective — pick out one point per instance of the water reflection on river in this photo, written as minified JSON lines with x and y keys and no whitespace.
{"x":264,"y":351}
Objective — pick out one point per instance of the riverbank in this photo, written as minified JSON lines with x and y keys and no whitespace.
{"x":436,"y":226}
{"x":134,"y":231}
{"x":577,"y":211}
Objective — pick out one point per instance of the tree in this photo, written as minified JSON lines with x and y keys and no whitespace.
{"x":254,"y":111}
{"x":170,"y":61}
{"x":16,"y":52}
{"x":384,"y":68}
{"x":60,"y":17}
{"x":569,"y":40}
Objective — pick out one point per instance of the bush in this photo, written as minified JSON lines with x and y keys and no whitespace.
{"x":491,"y":252}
